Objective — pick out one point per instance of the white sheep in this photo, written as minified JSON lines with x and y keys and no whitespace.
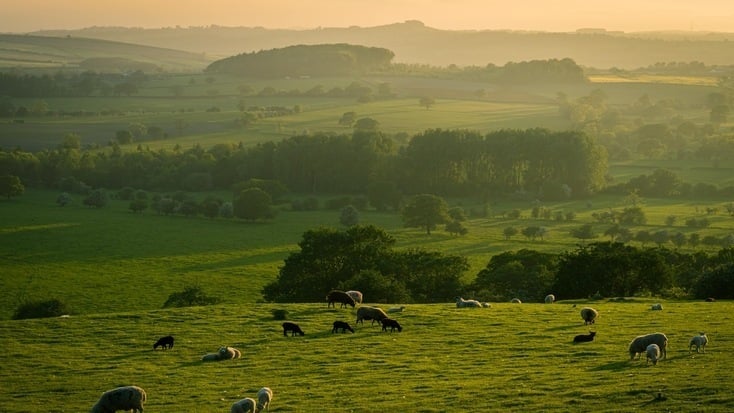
{"x":639,"y":344}
{"x":122,"y":398}
{"x":589,"y":315}
{"x":516,"y":301}
{"x":264,"y":397}
{"x":653,"y":354}
{"x":370,"y":313}
{"x":462,"y":303}
{"x":699,"y":341}
{"x":656,"y":307}
{"x":550,"y":299}
{"x":356,"y":296}
{"x":246,"y":405}
{"x":486,"y":304}
{"x":396,"y":309}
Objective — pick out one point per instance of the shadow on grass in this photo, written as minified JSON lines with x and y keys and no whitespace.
{"x":613,"y":366}
{"x":565,"y":327}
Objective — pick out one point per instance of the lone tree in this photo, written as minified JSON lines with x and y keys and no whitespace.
{"x":425,"y":211}
{"x":252,"y":204}
{"x":427,"y":102}
{"x":10,"y":186}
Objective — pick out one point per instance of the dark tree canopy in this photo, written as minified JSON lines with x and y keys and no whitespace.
{"x":305,"y":60}
{"x":425,"y":211}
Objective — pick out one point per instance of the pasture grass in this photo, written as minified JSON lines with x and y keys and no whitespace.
{"x":112,"y":260}
{"x":510,"y":357}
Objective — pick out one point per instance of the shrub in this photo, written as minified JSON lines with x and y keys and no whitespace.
{"x":190,"y":296}
{"x":279,"y":313}
{"x":40,"y":309}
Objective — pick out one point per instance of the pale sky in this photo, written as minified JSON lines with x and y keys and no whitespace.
{"x":21,"y":16}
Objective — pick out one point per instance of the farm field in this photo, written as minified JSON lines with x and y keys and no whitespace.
{"x":83,"y":256}
{"x":510,"y":357}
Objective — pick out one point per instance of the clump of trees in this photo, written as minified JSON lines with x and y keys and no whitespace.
{"x":192,"y":295}
{"x":41,"y":309}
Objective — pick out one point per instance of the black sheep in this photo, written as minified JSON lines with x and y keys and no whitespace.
{"x":392,"y":323}
{"x":582,"y":338}
{"x":336,"y":296}
{"x":343,"y":325}
{"x":165,"y":342}
{"x":293,"y":328}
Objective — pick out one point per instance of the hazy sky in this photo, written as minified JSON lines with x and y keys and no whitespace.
{"x":546,"y":15}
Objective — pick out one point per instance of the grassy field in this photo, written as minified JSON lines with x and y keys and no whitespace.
{"x":85,"y":257}
{"x":510,"y":357}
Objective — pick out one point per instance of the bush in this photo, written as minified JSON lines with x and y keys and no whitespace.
{"x":280,"y":314}
{"x":189,"y":297}
{"x":40,"y":309}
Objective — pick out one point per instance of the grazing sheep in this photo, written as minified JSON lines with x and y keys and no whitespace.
{"x":396,"y":309}
{"x":699,"y":341}
{"x":550,"y":299}
{"x":122,"y":398}
{"x":164,"y":342}
{"x":516,"y":301}
{"x":370,"y":313}
{"x":356,"y":296}
{"x":392,"y":323}
{"x":639,"y":344}
{"x":589,"y":315}
{"x":486,"y":304}
{"x":343,"y":325}
{"x":582,"y":338}
{"x":264,"y":397}
{"x":652,"y":354}
{"x":710,"y":299}
{"x":336,"y":296}
{"x":462,"y":303}
{"x":246,"y":405}
{"x":656,"y":307}
{"x":293,"y":328}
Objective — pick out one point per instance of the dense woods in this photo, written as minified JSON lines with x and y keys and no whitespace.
{"x":444,"y":162}
{"x":305,"y":60}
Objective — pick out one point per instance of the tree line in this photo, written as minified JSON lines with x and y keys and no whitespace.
{"x":364,"y":257}
{"x":442,"y":162}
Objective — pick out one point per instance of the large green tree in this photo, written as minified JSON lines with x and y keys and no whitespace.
{"x":252,"y":204}
{"x":425,"y":211}
{"x":10,"y":186}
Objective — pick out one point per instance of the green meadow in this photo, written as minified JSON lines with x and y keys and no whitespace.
{"x":510,"y":357}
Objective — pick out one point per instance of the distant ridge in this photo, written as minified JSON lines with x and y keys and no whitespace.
{"x":75,"y":52}
{"x":414,"y":42}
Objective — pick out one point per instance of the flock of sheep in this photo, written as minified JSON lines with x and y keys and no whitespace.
{"x":126,"y":398}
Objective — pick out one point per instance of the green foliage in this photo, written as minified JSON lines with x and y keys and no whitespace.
{"x":96,"y":199}
{"x":192,"y":295}
{"x":279,"y":314}
{"x":10,"y":186}
{"x":717,"y":282}
{"x":425,"y":211}
{"x":456,"y":228}
{"x":525,"y":274}
{"x":253,"y":204}
{"x":349,"y":216}
{"x":41,"y":309}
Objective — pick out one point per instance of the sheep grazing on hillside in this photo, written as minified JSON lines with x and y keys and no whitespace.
{"x":639,"y":344}
{"x":370,"y":313}
{"x":652,"y":352}
{"x":583,"y":338}
{"x":356,"y":296}
{"x":122,"y":398}
{"x":341,"y":325}
{"x":656,"y":307}
{"x":516,"y":301}
{"x":164,"y":342}
{"x":486,"y":304}
{"x":396,"y":309}
{"x":699,"y":341}
{"x":462,"y":303}
{"x":589,"y":315}
{"x":392,"y":323}
{"x":293,"y":328}
{"x":264,"y":397}
{"x":336,"y":296}
{"x":246,"y":405}
{"x":550,"y":299}
{"x":710,"y":299}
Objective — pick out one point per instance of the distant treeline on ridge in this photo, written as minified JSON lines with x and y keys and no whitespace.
{"x":305,"y":60}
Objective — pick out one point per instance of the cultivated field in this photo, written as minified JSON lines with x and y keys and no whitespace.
{"x":510,"y":357}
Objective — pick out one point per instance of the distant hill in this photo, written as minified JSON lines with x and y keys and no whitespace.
{"x":92,"y":54}
{"x":413,"y":42}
